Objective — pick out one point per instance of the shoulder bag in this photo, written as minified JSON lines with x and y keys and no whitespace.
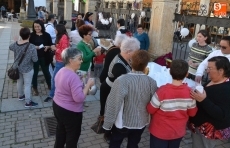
{"x":13,"y":72}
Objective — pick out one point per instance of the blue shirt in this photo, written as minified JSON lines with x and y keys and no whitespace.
{"x":40,"y":15}
{"x":143,"y":39}
{"x":3,"y":8}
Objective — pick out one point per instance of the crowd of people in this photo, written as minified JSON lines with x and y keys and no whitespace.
{"x":127,"y":95}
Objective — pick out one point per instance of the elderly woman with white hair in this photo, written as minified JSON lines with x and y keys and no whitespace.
{"x":120,"y":65}
{"x":68,"y":100}
{"x":112,"y":52}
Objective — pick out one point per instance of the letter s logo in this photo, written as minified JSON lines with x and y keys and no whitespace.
{"x":217,"y":6}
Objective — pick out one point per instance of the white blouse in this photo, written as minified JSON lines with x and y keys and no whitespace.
{"x":75,"y":38}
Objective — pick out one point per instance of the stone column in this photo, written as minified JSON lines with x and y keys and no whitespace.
{"x":27,"y":5}
{"x":31,"y":13}
{"x":22,"y":12}
{"x":68,"y":12}
{"x":162,"y":26}
{"x":86,"y":6}
{"x":48,"y":5}
{"x":9,"y":4}
{"x":55,"y":7}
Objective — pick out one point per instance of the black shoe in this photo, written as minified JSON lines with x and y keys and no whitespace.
{"x":107,"y":136}
{"x":21,"y":98}
{"x":31,"y":104}
{"x":48,"y":99}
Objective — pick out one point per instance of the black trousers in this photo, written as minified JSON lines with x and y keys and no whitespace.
{"x":133,"y":135}
{"x":68,"y":127}
{"x":105,"y":90}
{"x":160,"y":143}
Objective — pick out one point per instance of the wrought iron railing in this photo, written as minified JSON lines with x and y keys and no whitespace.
{"x":196,"y":17}
{"x":117,"y":10}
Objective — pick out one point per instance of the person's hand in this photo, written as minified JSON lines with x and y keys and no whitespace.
{"x":190,"y":62}
{"x":46,"y":48}
{"x":196,"y":64}
{"x":198,"y":79}
{"x":90,"y":82}
{"x":37,"y":47}
{"x":97,"y":50}
{"x":53,"y":47}
{"x":197,"y":95}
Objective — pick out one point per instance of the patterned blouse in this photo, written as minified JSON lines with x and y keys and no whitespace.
{"x":30,"y":56}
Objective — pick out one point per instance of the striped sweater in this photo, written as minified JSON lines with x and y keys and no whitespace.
{"x":197,"y":54}
{"x":170,"y":108}
{"x":126,"y":103}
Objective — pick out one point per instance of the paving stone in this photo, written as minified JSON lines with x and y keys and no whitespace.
{"x":6,"y":146}
{"x":8,"y":142}
{"x":226,"y":145}
{"x":13,"y":104}
{"x":26,"y":134}
{"x":97,"y":95}
{"x":90,"y":98}
{"x":3,"y":56}
{"x":40,"y":145}
{"x":18,"y":145}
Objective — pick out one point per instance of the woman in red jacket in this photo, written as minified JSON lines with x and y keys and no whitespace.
{"x":62,"y":42}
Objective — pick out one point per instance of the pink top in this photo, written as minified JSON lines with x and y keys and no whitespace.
{"x":69,"y":90}
{"x":63,"y":44}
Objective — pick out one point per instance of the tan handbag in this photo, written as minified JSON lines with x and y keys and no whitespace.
{"x":97,"y":127}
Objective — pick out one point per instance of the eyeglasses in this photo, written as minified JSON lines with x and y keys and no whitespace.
{"x":89,"y":34}
{"x":210,"y":69}
{"x":223,"y":47}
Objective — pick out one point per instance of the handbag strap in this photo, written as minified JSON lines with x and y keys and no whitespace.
{"x":23,"y":55}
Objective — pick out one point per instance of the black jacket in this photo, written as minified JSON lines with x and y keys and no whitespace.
{"x":44,"y":39}
{"x":215,"y":108}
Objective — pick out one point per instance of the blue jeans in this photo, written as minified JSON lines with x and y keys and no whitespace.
{"x":58,"y":66}
{"x":160,"y":143}
{"x":26,"y":79}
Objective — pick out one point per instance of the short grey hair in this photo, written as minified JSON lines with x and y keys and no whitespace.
{"x":130,"y":44}
{"x":70,"y":53}
{"x":119,"y":38}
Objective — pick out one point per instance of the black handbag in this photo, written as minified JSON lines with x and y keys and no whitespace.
{"x":13,"y":72}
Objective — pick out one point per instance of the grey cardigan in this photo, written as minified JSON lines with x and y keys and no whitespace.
{"x":127,"y":101}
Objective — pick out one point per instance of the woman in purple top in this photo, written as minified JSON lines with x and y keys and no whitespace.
{"x":68,"y":100}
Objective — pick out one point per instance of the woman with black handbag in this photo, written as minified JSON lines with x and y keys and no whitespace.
{"x":24,"y":55}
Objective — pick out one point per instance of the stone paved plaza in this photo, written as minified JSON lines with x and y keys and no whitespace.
{"x":26,"y":128}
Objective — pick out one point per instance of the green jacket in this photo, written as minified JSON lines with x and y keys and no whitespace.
{"x":88,"y":54}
